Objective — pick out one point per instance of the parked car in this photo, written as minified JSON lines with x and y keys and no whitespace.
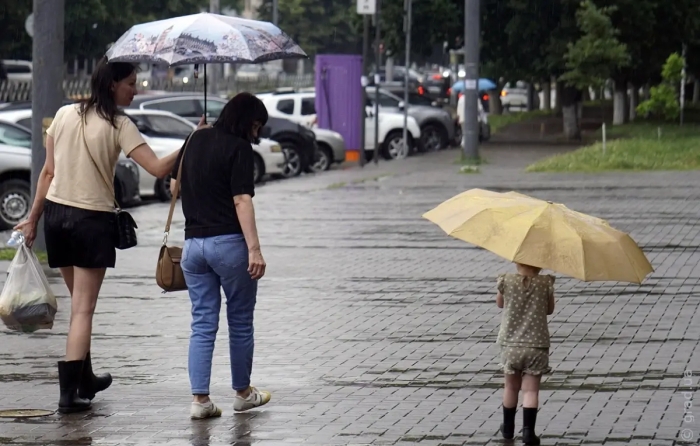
{"x":165,"y":133}
{"x":331,"y":149}
{"x":300,"y":107}
{"x":17,"y":70}
{"x":514,"y":97}
{"x":15,"y":176}
{"x":299,"y":144}
{"x":437,"y":127}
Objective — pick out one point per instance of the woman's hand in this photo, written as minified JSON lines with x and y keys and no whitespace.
{"x":203,"y":123}
{"x":28,"y":229}
{"x":256,"y":264}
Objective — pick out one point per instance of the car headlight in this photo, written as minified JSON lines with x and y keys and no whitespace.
{"x":276,"y":148}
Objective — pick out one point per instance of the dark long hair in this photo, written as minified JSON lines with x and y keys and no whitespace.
{"x":101,"y":94}
{"x":240,"y":113}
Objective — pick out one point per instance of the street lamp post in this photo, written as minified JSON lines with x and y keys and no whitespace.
{"x":470,"y":131}
{"x":47,"y":82}
{"x":408,"y":8}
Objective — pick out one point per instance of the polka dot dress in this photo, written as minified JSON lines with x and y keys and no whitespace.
{"x":524,"y":334}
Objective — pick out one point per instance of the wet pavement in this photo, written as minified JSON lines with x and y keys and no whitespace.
{"x":372,"y":327}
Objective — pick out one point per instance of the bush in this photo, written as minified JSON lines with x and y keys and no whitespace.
{"x":663,"y":103}
{"x":664,"y":98}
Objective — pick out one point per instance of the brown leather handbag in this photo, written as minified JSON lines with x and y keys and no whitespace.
{"x":169,"y":275}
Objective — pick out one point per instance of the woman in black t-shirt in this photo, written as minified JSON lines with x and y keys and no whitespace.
{"x":222,"y":249}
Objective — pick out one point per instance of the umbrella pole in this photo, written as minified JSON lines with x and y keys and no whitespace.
{"x":205,"y":93}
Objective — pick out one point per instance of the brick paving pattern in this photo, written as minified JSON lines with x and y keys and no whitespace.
{"x":373,"y":327}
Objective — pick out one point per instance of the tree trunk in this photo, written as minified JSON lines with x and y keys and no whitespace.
{"x":570,"y":102}
{"x":495,"y":103}
{"x":620,"y":103}
{"x":634,"y":102}
{"x":530,"y":96}
{"x":646,"y":92}
{"x":547,"y":96}
{"x":587,"y":95}
{"x":558,"y":88}
{"x":696,"y":91}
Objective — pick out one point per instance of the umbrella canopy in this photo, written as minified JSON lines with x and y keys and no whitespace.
{"x":483,"y":85}
{"x":204,"y":38}
{"x":543,"y":234}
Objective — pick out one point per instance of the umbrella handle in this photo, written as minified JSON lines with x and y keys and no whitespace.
{"x":205,"y":93}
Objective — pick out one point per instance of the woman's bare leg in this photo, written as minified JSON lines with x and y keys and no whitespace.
{"x":86,"y":287}
{"x":67,"y":274}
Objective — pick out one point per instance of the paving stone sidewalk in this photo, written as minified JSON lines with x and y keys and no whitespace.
{"x":373,"y":327}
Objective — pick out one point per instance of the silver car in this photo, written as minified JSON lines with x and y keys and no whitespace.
{"x":437,"y":126}
{"x":331,"y":149}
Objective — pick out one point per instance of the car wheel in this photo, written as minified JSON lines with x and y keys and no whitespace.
{"x":15,"y":202}
{"x":294,"y":165}
{"x":258,"y":168}
{"x":433,"y":138}
{"x":394,"y":147}
{"x":163,"y":191}
{"x":323,"y":160}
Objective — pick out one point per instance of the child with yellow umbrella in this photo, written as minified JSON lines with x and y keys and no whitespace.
{"x":535,"y":235}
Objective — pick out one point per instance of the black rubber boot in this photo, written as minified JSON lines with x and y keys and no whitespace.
{"x":69,"y":373}
{"x":508,"y":425}
{"x":529,"y":421}
{"x":91,"y":384}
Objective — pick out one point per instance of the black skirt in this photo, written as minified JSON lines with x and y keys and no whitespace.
{"x":79,"y":237}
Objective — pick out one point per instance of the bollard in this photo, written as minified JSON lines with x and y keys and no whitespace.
{"x":604,"y":140}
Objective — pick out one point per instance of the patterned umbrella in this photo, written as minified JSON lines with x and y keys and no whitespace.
{"x":204,"y":38}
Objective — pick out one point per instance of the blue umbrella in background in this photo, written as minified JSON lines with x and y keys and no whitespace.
{"x":484,"y":84}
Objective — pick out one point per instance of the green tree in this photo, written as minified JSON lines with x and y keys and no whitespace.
{"x":90,"y":24}
{"x":434,"y":22}
{"x":598,"y":53}
{"x":318,"y":25}
{"x":664,"y":97}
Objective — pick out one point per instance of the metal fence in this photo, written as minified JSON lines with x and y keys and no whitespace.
{"x":78,"y":88}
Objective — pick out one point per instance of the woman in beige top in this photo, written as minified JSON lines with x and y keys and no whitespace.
{"x":76,"y":197}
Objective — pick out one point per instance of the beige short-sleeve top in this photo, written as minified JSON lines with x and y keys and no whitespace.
{"x":524,"y":319}
{"x":77,"y":182}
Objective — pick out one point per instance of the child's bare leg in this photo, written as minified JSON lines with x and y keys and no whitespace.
{"x":531,"y":391}
{"x":511,"y":390}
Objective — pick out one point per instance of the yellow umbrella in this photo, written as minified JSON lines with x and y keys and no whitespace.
{"x":543,"y":234}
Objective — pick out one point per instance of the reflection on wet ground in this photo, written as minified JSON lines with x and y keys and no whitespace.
{"x":374,"y":328}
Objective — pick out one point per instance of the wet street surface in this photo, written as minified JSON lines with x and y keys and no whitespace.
{"x":373,"y":327}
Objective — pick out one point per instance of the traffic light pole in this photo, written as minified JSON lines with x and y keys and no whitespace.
{"x":47,"y":83}
{"x":470,"y":131}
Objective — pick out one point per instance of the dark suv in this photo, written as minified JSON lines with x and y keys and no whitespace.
{"x":298,"y":142}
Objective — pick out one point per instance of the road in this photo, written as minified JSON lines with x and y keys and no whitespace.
{"x":372,"y":327}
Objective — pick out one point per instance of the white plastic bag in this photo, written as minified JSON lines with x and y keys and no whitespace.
{"x":27,"y":303}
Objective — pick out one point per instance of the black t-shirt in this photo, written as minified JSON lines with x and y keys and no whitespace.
{"x":218,"y":166}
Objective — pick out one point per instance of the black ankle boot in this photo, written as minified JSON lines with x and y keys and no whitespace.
{"x":508,"y":425}
{"x":69,"y":373}
{"x":529,"y":421}
{"x":91,"y":384}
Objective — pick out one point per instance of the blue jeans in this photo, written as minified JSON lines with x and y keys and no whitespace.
{"x":210,"y":264}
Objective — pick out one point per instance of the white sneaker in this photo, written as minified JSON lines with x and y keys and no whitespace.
{"x":256,"y":398}
{"x":199,"y":411}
